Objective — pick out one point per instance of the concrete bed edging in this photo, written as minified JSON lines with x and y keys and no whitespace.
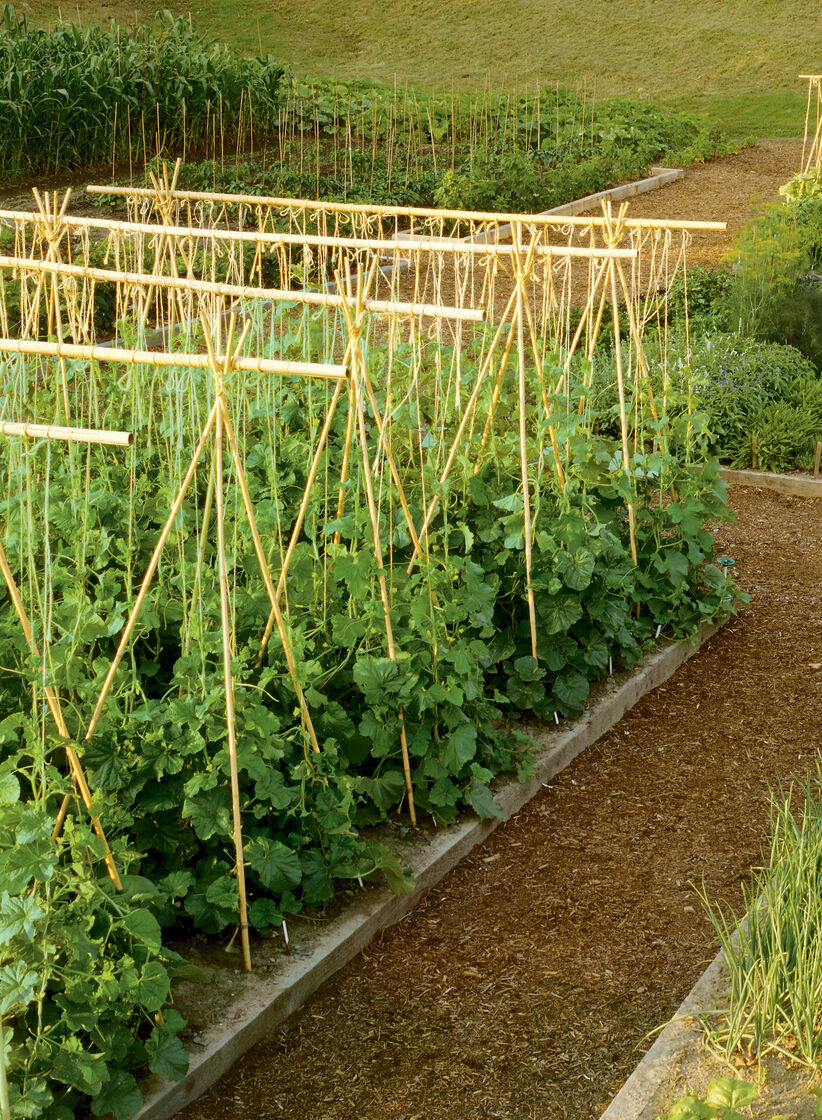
{"x":268,"y":1002}
{"x":782,"y":483}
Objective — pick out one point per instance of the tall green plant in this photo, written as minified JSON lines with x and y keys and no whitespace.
{"x":773,"y":950}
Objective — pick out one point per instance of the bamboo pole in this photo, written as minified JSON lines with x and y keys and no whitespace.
{"x":623,"y":420}
{"x":152,"y":568}
{"x":358,"y":362}
{"x":162,"y":358}
{"x":816,"y":459}
{"x":469,"y":408}
{"x":55,"y":707}
{"x":240,"y":291}
{"x":523,"y":444}
{"x":55,"y":431}
{"x":431,"y":244}
{"x":227,"y":631}
{"x":314,"y":205}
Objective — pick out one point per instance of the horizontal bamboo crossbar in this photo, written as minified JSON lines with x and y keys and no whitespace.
{"x":162,"y":358}
{"x":381,"y":245}
{"x":240,"y":291}
{"x":395,"y":211}
{"x":55,"y":431}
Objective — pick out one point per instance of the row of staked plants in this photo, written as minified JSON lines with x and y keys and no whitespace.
{"x":84,"y":976}
{"x":749,"y":356}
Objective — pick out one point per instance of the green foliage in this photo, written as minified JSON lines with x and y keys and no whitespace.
{"x":722,"y":1101}
{"x":84,"y":978}
{"x":773,"y":297}
{"x":773,"y":954}
{"x":73,"y":95}
{"x":748,"y":389}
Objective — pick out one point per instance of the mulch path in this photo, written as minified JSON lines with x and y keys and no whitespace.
{"x":731,"y":189}
{"x":524,"y":985}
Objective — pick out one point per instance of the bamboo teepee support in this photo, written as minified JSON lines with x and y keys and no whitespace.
{"x":72,"y":435}
{"x":56,"y":709}
{"x":134,"y":614}
{"x":276,"y":613}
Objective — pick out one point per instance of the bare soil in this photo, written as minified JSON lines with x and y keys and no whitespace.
{"x":731,"y":189}
{"x":526,"y":983}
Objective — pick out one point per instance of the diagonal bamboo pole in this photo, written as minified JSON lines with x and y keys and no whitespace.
{"x":276,"y":595}
{"x":152,"y":568}
{"x":53,"y":701}
{"x":463,"y":424}
{"x":227,"y":630}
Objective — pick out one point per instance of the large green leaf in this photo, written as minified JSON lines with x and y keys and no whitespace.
{"x":19,"y":915}
{"x":727,"y":1092}
{"x":153,"y":986}
{"x":165,"y":1051}
{"x":559,"y":612}
{"x":18,"y":984}
{"x":277,"y":865}
{"x":575,"y":568}
{"x":144,"y":926}
{"x":460,"y":747}
{"x":119,"y":1095}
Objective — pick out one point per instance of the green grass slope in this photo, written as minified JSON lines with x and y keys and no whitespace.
{"x":737,"y":59}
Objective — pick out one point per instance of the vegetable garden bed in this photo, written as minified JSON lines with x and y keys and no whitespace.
{"x":523,"y":983}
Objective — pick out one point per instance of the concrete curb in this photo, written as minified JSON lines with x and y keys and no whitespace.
{"x":266,"y":1002}
{"x":657,"y":1082}
{"x":781,"y":483}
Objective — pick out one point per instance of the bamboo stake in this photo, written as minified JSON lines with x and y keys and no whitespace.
{"x":55,"y":707}
{"x":816,"y":459}
{"x":227,"y":630}
{"x":523,"y":434}
{"x":349,"y":439}
{"x":55,"y":431}
{"x":354,"y":326}
{"x":623,"y":420}
{"x":753,"y":453}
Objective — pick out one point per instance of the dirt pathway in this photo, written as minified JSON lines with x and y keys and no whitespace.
{"x":725,"y":190}
{"x":523,"y":984}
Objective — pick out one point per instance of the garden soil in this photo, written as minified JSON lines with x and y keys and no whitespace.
{"x":526,"y":984}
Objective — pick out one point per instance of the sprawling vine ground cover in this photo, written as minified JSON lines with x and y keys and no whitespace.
{"x":80,"y":524}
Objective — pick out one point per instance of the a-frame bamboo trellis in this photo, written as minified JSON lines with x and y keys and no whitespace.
{"x":527,"y":254}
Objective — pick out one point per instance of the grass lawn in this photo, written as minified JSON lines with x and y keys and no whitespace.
{"x":736,"y":59}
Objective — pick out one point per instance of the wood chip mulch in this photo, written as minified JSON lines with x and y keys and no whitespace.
{"x":525,"y":984}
